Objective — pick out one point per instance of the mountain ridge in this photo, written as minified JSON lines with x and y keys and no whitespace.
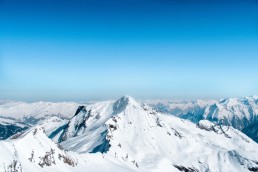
{"x":127,"y":135}
{"x":126,"y":121}
{"x":241,"y":113}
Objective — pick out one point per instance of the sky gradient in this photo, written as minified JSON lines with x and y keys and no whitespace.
{"x":60,"y":50}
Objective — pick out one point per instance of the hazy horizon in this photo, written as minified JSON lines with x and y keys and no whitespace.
{"x":83,"y":101}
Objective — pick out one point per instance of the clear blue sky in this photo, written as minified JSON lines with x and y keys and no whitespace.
{"x":81,"y":50}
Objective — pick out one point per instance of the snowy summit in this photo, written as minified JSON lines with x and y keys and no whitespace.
{"x":125,"y":135}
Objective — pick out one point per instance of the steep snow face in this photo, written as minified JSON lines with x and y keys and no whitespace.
{"x":88,"y":125}
{"x":148,"y":140}
{"x":51,"y":124}
{"x":32,"y":112}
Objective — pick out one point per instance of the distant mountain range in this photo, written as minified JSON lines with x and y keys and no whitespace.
{"x":25,"y":111}
{"x":127,"y":135}
{"x":240,"y":113}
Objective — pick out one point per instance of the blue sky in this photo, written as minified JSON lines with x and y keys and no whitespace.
{"x":81,"y":50}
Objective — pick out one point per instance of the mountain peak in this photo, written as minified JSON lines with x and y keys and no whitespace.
{"x":79,"y":109}
{"x":129,"y":98}
{"x":123,"y":102}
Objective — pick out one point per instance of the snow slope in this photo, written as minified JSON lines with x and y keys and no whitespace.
{"x":34,"y":151}
{"x":148,"y":140}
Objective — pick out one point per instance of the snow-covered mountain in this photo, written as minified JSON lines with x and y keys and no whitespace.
{"x":34,"y":151}
{"x":236,"y":112}
{"x":125,"y":135}
{"x":192,"y":109}
{"x":152,"y":141}
{"x":241,"y":113}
